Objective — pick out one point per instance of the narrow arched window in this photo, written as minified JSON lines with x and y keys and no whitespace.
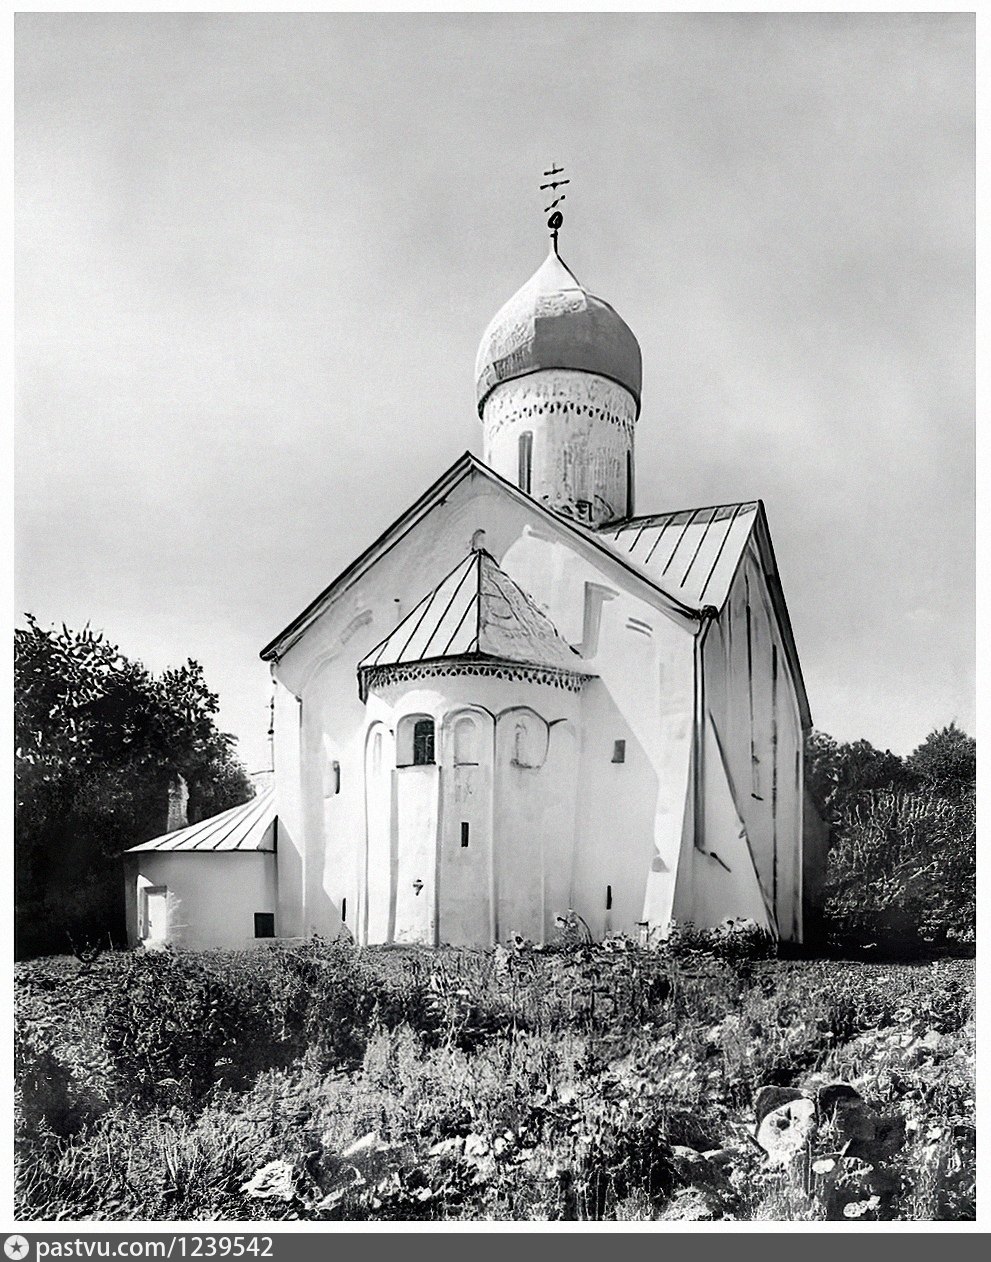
{"x":415,"y":741}
{"x":423,"y":742}
{"x":526,"y":461}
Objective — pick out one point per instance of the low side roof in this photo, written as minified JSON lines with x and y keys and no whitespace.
{"x":476,"y":611}
{"x":245,"y":828}
{"x":691,"y":554}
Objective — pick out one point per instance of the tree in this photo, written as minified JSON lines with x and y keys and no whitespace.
{"x":98,"y":739}
{"x":946,"y":759}
{"x":901,"y":873}
{"x":835,"y":772}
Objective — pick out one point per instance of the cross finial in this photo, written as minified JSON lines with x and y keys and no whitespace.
{"x":555,"y":218}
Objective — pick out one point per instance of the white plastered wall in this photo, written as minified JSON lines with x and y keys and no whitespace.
{"x":212,"y":898}
{"x":514,"y":874}
{"x":581,"y":427}
{"x":630,"y":815}
{"x":754,"y":747}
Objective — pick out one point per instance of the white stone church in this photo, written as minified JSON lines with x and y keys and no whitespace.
{"x":522,"y":700}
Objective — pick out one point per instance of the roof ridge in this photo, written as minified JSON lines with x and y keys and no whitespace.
{"x":628,"y":523}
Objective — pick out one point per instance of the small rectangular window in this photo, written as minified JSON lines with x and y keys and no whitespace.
{"x":619,"y":751}
{"x":344,"y":909}
{"x":264,"y":924}
{"x":464,"y":834}
{"x":608,"y":898}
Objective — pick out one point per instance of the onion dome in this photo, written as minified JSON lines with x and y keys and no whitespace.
{"x":554,"y":322}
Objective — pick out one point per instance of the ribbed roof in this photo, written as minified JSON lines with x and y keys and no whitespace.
{"x":245,"y":828}
{"x":692,"y":554}
{"x":554,"y":322}
{"x":477,"y":611}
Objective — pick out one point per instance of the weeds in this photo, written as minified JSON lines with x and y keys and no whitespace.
{"x":617,"y":1082}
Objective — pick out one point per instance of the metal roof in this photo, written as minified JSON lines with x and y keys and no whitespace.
{"x":246,"y":828}
{"x":607,"y":542}
{"x":691,"y":554}
{"x":476,"y":611}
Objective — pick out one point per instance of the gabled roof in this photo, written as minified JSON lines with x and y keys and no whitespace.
{"x":700,"y":548}
{"x":245,"y":828}
{"x":465,"y":466}
{"x":477,"y":611}
{"x":692,"y":554}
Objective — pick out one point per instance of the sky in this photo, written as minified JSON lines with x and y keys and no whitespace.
{"x":256,"y":252}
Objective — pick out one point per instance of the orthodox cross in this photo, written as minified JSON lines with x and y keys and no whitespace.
{"x":556,"y":219}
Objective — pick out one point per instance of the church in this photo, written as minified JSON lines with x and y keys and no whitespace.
{"x":526,"y":702}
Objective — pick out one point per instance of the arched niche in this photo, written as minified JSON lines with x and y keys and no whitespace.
{"x":466,"y":737}
{"x":525,"y":736}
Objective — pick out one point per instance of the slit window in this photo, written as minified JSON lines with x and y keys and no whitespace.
{"x":344,"y":909}
{"x":464,"y":834}
{"x":526,"y":461}
{"x":332,"y":779}
{"x":619,"y":751}
{"x":608,"y":898}
{"x":264,"y":924}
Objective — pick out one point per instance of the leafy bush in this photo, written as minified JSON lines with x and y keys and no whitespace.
{"x":901,"y":868}
{"x":902,"y":872}
{"x":173,"y":1028}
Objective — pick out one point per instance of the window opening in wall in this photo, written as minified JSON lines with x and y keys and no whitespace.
{"x":464,"y":834}
{"x":335,"y":778}
{"x":526,"y":460}
{"x":608,"y":898}
{"x":423,"y":742}
{"x":619,"y":751}
{"x":344,"y":909}
{"x":264,"y":924}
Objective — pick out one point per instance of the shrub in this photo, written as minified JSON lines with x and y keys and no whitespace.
{"x":902,"y":872}
{"x":173,"y":1028}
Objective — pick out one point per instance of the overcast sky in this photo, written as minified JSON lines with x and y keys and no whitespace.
{"x":256,"y":254}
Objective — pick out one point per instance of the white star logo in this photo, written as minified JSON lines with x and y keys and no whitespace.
{"x":16,"y":1247}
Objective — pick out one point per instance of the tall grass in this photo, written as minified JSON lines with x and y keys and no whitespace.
{"x":523,"y":1084}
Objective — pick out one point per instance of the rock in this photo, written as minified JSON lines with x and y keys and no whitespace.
{"x":786,"y":1132}
{"x":692,"y":1205}
{"x":366,"y":1144}
{"x":856,"y":1124}
{"x":275,"y":1182}
{"x":889,"y":1136}
{"x":828,"y":1096}
{"x":772,"y":1097}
